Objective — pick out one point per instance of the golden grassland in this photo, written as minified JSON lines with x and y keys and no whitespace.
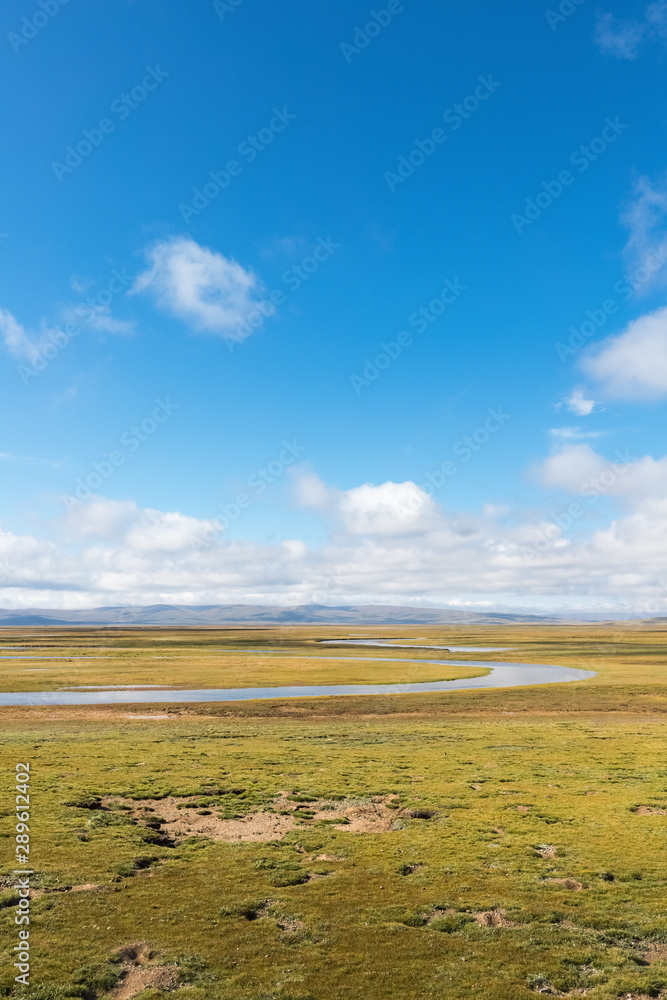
{"x":211,"y":660}
{"x":528,"y":854}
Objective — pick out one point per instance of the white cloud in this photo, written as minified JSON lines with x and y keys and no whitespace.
{"x":110,"y":552}
{"x":310,"y":491}
{"x":645,"y":217}
{"x":387,"y":509}
{"x":202,"y":287}
{"x":623,"y":38}
{"x":8,"y":456}
{"x":573,"y":434}
{"x":656,"y":16}
{"x":633,"y":365}
{"x":570,"y":468}
{"x":29,"y":346}
{"x":619,"y":39}
{"x":636,"y":482}
{"x":123,"y":523}
{"x":97,"y":318}
{"x":24,"y":345}
{"x":79,"y":284}
{"x":577,"y":403}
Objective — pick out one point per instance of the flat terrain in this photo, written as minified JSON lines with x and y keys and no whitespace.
{"x":496,"y":844}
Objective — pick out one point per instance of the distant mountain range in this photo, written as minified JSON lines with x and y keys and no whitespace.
{"x":211,"y":615}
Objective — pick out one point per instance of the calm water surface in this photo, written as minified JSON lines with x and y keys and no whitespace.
{"x":397,"y":644}
{"x":501,"y":675}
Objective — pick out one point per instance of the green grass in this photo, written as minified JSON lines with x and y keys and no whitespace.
{"x":496,"y":813}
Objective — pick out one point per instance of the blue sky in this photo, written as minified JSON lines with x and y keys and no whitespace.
{"x":120,"y":116}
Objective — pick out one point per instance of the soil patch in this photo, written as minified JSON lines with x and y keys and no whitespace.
{"x":492,"y":918}
{"x":546,"y":851}
{"x":177,"y":818}
{"x":139,"y":974}
{"x":650,"y":811}
{"x":655,"y":952}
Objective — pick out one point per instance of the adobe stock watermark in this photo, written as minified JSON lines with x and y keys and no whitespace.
{"x":625,"y":288}
{"x":31,"y":26}
{"x":364,"y":35}
{"x":454,"y":117}
{"x":581,"y":158}
{"x":330,"y":587}
{"x":89,"y":309}
{"x":566,"y":8}
{"x":657,"y":604}
{"x":464,"y":449}
{"x":122,"y":107}
{"x":131,"y":440}
{"x":22,"y":885}
{"x":224,"y":7}
{"x":249,"y":149}
{"x":256,"y":485}
{"x":590,"y":492}
{"x":419,"y":321}
{"x":293,"y":278}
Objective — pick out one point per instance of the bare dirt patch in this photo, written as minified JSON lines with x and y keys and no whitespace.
{"x":181,"y":823}
{"x":546,"y":851}
{"x":655,"y":952}
{"x":650,"y":811}
{"x":179,"y":818}
{"x":150,"y":716}
{"x":375,"y":817}
{"x":492,"y":918}
{"x":88,"y":887}
{"x":139,"y":974}
{"x":290,"y":925}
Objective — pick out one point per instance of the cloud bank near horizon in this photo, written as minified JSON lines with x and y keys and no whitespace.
{"x":387,"y":543}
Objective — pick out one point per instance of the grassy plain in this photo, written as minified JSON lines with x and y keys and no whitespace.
{"x":526,"y":856}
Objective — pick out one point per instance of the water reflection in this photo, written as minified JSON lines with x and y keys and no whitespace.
{"x":501,"y":675}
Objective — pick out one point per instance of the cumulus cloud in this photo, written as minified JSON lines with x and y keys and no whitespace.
{"x":570,"y":468}
{"x":208,"y":291}
{"x":577,"y":469}
{"x":387,"y":509}
{"x":577,"y":403}
{"x":123,"y":524}
{"x":633,"y":365}
{"x":107,"y":552}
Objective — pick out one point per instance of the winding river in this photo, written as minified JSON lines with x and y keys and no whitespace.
{"x":501,"y":675}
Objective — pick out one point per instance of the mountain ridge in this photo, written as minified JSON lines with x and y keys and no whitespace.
{"x":211,"y":615}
